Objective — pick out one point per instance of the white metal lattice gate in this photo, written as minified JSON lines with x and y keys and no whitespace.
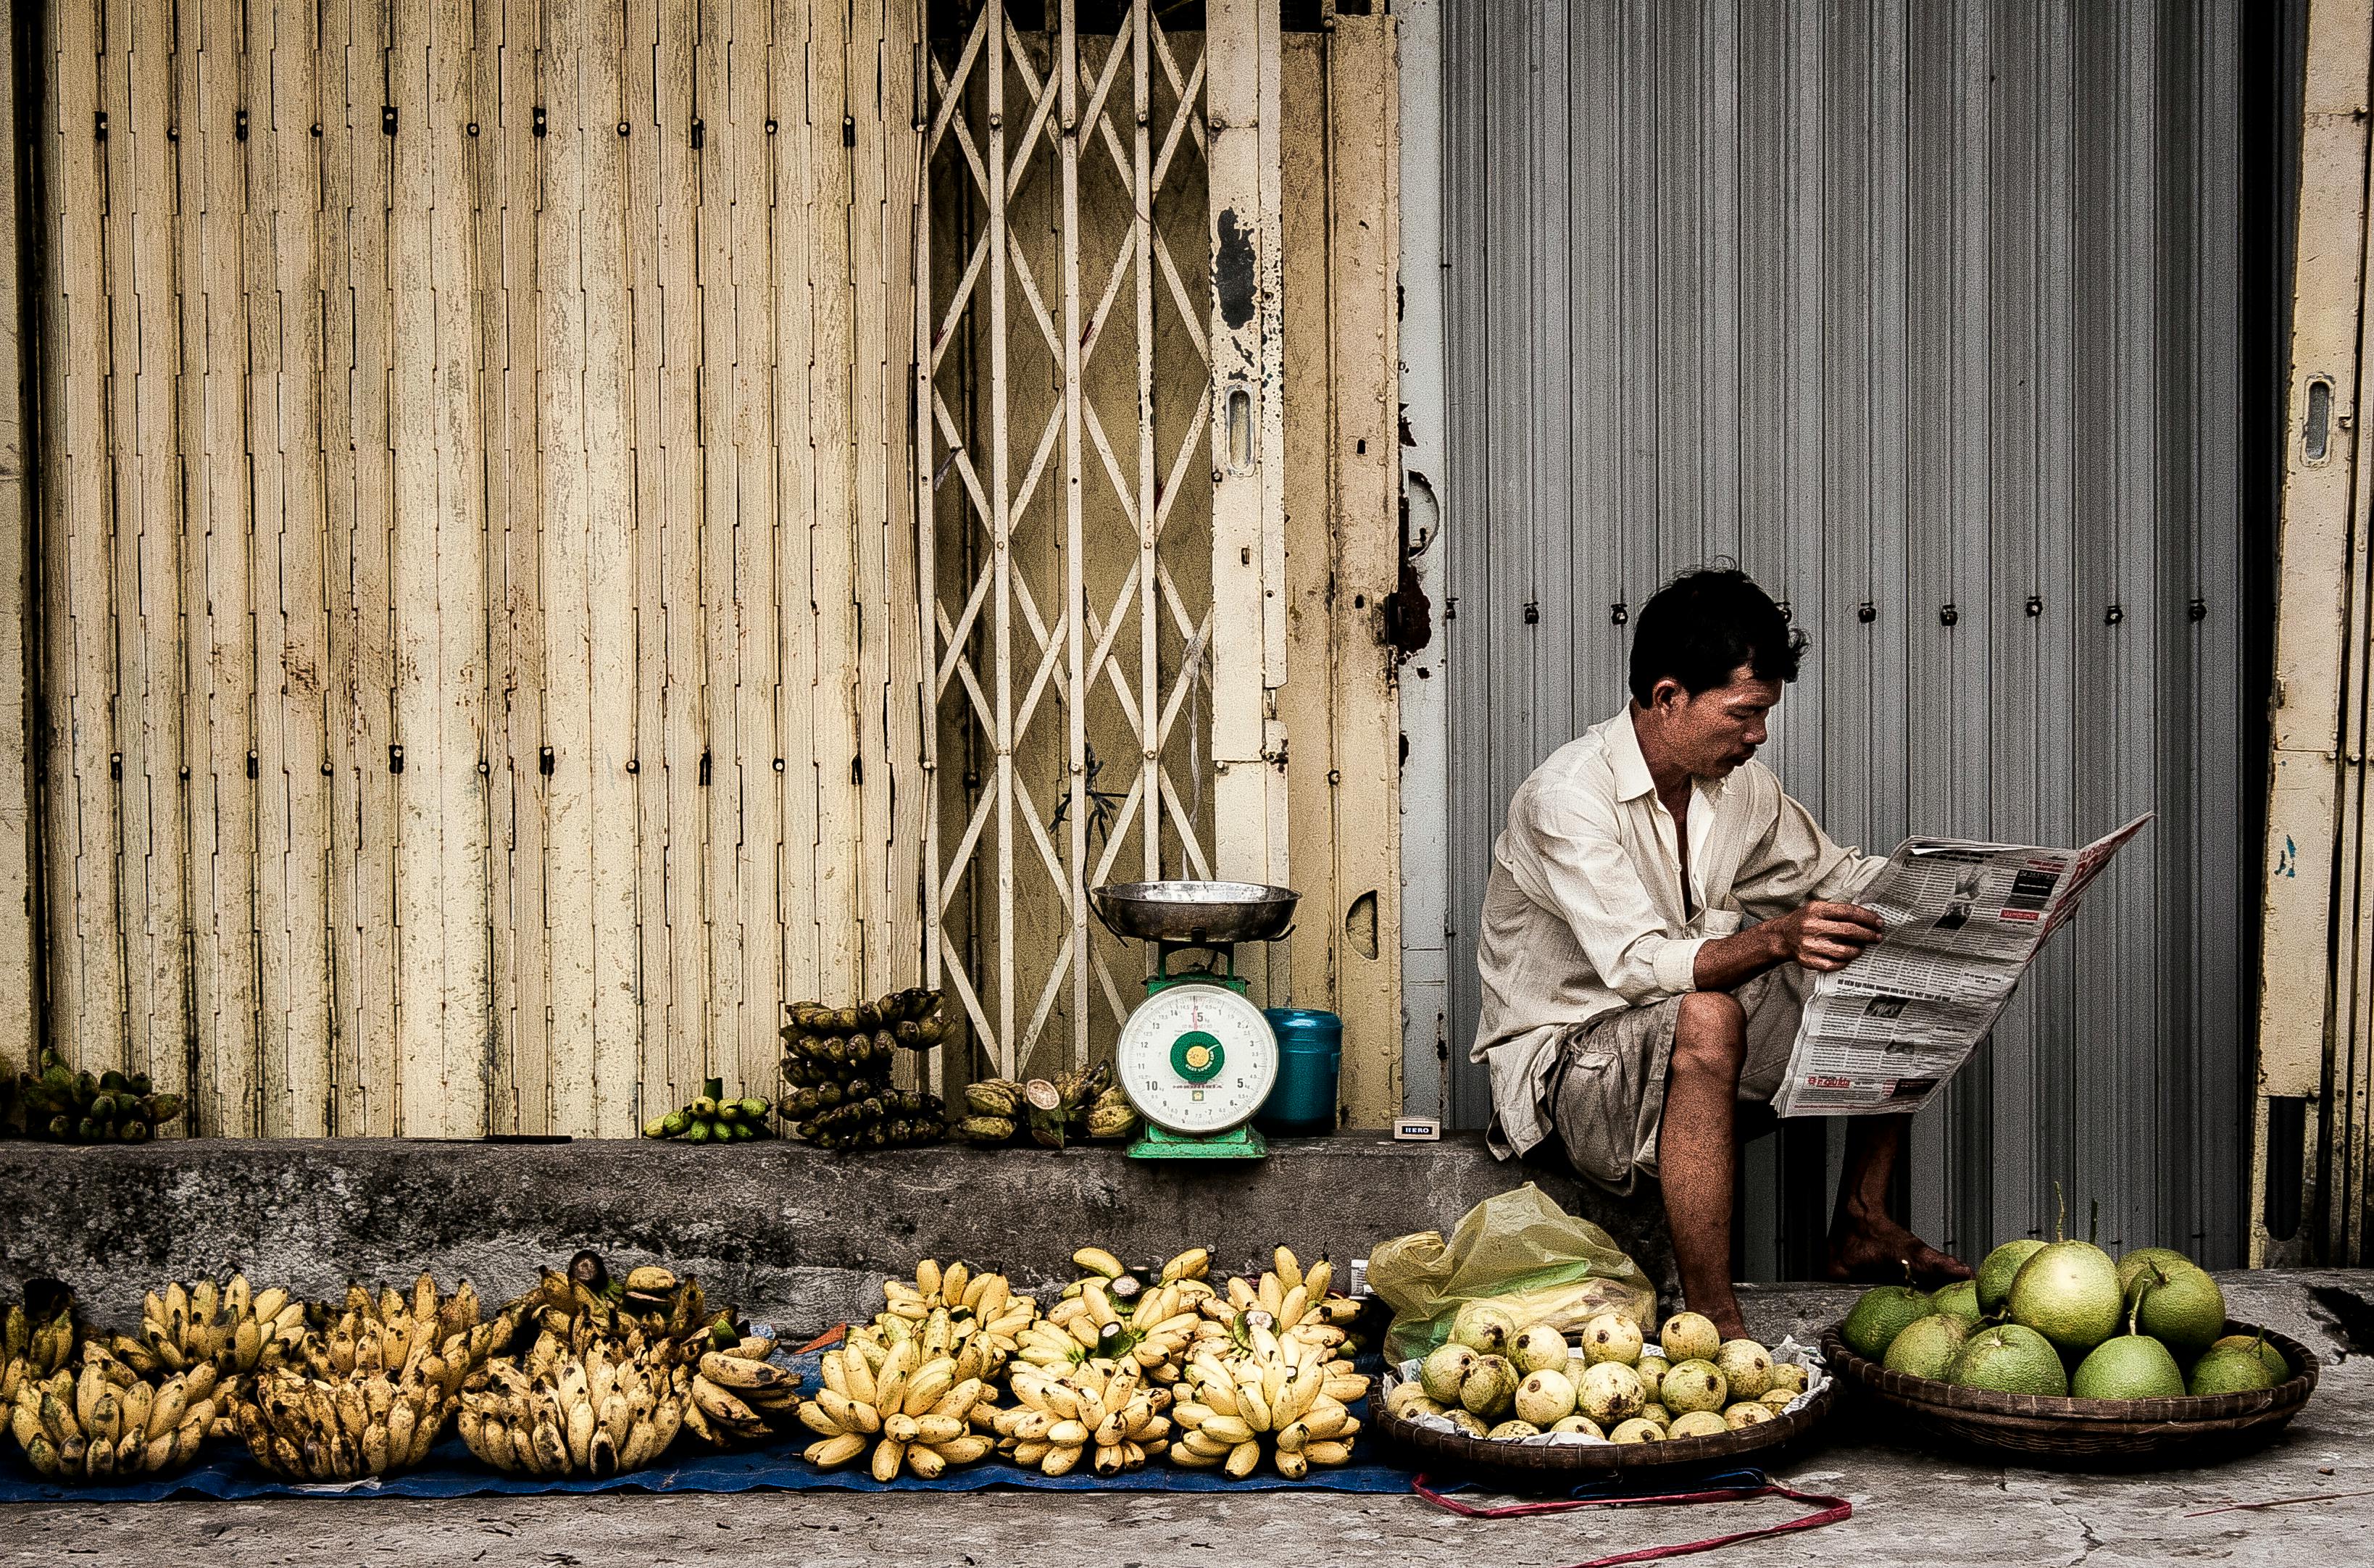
{"x":1099,"y":535}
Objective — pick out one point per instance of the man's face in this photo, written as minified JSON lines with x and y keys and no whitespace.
{"x":1721,"y":727}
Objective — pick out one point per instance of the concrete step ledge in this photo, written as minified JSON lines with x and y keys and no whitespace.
{"x":794,"y":1236}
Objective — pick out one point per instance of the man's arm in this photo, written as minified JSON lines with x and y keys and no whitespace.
{"x":1819,"y":935}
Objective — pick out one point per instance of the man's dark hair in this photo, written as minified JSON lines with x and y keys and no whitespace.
{"x":1701,"y":628}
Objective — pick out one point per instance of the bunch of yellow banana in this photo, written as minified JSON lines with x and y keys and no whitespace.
{"x":108,"y":1421}
{"x":975,"y":1319}
{"x":238,"y":1331}
{"x":1283,"y":1394}
{"x":915,"y":1415}
{"x":37,"y":1340}
{"x":1108,"y":1413}
{"x":1113,"y":1315}
{"x":651,"y":1299}
{"x":613,"y":1409}
{"x":738,"y":1395}
{"x":1291,"y":1302}
{"x":303,"y":1427}
{"x":428,"y":1339}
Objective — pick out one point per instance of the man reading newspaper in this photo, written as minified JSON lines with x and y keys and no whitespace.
{"x":1655,"y":903}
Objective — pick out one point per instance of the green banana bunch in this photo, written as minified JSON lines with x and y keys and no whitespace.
{"x":912,"y":1018}
{"x":317,"y":1429}
{"x":597,"y":1412}
{"x":110,"y":1421}
{"x":38,"y":1337}
{"x":74,"y":1107}
{"x":713,"y":1118}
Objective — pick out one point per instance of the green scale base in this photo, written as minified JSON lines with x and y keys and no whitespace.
{"x":1237,"y":1143}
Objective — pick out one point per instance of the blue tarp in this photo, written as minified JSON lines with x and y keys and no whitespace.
{"x":226,"y":1471}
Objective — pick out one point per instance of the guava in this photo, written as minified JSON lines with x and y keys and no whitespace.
{"x":1611,"y":1336}
{"x":1442,"y":1372}
{"x":1746,"y":1366}
{"x":1483,"y":1326}
{"x":1539,"y":1348}
{"x":1610,"y":1393}
{"x":1695,"y":1386}
{"x":1545,"y":1398}
{"x":1689,"y":1336}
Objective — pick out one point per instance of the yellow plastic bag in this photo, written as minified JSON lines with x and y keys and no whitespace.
{"x":1522,"y":1250}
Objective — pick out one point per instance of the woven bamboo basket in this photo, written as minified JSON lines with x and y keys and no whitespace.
{"x":2083,"y":1434}
{"x":1562,"y":1463}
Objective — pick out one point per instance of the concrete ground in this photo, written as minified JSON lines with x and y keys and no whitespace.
{"x":2309,"y":1500}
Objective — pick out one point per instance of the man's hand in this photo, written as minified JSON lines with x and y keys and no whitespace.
{"x":1822,"y":936}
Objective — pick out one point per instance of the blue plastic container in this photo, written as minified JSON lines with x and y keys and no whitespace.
{"x":1309,"y":1064}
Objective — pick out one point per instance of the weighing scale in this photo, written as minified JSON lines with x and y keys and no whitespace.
{"x":1196,"y":1056}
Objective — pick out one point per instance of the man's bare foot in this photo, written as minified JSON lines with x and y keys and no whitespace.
{"x":1876,"y":1250}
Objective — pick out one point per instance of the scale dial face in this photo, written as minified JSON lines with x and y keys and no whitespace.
{"x":1196,"y":1059}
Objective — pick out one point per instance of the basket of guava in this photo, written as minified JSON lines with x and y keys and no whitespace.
{"x":2062,"y":1356}
{"x":1501,"y":1395}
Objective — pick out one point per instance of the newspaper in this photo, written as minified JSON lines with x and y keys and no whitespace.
{"x":1963,"y":920}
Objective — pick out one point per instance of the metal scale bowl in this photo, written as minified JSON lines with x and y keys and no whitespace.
{"x":1196,"y":1056}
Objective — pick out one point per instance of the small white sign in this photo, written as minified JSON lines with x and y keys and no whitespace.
{"x":1418,"y":1130}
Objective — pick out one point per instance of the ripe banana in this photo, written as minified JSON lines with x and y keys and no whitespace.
{"x":610,"y":1410}
{"x":316,"y":1429}
{"x":238,"y":1331}
{"x":425,"y":1337}
{"x":973,"y":1317}
{"x":37,"y":1338}
{"x":1097,"y":1410}
{"x":915,"y":1415}
{"x":1285,"y":1398}
{"x":107,"y":1420}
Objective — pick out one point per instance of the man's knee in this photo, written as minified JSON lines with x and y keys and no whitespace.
{"x":1710,"y":1035}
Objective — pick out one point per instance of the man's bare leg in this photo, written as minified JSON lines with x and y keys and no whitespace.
{"x":1865,"y":1243}
{"x":1695,"y":1154}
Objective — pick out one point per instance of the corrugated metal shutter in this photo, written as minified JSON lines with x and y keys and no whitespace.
{"x":1927,"y":315}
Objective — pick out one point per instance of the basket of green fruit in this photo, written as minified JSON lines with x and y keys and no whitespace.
{"x":1501,"y":1396}
{"x":2060,"y":1356}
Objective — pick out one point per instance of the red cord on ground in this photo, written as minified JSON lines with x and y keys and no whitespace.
{"x":1832,"y":1510}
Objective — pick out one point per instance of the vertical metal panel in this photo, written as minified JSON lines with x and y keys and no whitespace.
{"x":1926,"y":315}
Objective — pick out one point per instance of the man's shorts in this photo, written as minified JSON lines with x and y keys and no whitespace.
{"x":1607,"y":1094}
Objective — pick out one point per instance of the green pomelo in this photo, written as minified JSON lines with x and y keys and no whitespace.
{"x":2182,"y":1306}
{"x":2269,"y":1357}
{"x":2133,"y":1367}
{"x":1879,"y":1315}
{"x":2003,"y":1266}
{"x":1929,"y":1347}
{"x":2234,"y":1370}
{"x":2010,"y":1358}
{"x":1959,"y":1299}
{"x":2069,"y":1292}
{"x":2133,"y":1263}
